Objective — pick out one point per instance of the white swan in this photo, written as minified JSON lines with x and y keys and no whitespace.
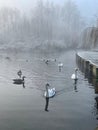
{"x":75,"y":75}
{"x":60,"y":64}
{"x":51,"y":92}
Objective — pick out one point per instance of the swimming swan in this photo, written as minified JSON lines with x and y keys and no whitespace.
{"x":19,"y":73}
{"x":51,"y":92}
{"x":60,"y":64}
{"x":75,"y":75}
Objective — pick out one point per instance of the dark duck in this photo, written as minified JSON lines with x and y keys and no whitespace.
{"x":19,"y":73}
{"x":19,"y":81}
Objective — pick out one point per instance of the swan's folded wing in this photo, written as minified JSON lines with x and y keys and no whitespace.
{"x":51,"y":92}
{"x":73,"y":76}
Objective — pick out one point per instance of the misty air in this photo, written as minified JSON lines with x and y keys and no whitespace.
{"x":48,"y":65}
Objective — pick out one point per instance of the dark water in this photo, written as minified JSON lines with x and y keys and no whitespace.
{"x":73,"y":107}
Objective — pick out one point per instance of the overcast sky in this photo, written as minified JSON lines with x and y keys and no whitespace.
{"x":88,"y":8}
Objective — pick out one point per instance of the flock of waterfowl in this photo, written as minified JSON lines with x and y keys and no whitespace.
{"x":52,"y":91}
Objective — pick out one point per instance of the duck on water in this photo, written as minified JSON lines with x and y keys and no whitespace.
{"x":19,"y":81}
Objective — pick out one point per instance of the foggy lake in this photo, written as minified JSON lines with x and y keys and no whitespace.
{"x":22,"y":108}
{"x":39,"y":38}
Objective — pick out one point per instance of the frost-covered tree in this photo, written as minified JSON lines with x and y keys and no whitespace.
{"x":48,"y":23}
{"x":72,"y":22}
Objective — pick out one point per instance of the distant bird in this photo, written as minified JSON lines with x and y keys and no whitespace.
{"x":19,"y":81}
{"x":75,"y":75}
{"x":19,"y":73}
{"x":60,"y":64}
{"x":47,"y":61}
{"x":7,"y":57}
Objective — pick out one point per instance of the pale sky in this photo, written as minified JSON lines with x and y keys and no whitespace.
{"x":88,"y":8}
{"x":20,"y":4}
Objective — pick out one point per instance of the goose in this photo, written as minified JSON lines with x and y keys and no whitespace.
{"x":19,"y":73}
{"x":75,"y":76}
{"x":47,"y":61}
{"x":19,"y":81}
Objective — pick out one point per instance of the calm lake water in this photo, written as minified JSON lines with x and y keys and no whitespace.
{"x":73,"y":107}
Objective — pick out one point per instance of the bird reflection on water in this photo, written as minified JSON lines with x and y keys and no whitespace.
{"x":75,"y":85}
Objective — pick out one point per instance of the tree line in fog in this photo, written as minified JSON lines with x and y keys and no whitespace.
{"x":47,"y":25}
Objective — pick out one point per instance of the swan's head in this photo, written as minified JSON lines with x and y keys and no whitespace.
{"x":47,"y":84}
